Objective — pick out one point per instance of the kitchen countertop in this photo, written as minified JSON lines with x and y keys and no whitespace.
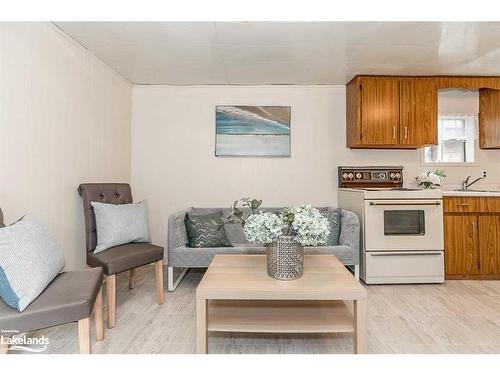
{"x":455,"y":193}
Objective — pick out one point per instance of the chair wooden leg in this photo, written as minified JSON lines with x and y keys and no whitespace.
{"x":160,"y":295}
{"x":98,"y":317}
{"x":111,"y":287}
{"x":84,"y":335}
{"x":131,"y":279}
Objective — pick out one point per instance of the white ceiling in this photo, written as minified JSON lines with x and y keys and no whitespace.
{"x":245,"y":53}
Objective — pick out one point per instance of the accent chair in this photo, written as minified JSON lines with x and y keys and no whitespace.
{"x":121,"y":258}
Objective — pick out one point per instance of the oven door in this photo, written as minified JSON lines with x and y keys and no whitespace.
{"x":395,"y":225}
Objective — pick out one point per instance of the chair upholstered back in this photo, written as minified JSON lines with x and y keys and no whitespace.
{"x":1,"y":219}
{"x":114,"y":193}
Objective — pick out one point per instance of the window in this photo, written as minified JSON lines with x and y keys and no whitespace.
{"x":456,"y":140}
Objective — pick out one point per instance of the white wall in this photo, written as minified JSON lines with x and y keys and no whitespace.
{"x":174,"y":167}
{"x":64,"y":119}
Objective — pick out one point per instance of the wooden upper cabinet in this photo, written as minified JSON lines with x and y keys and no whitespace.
{"x":467,"y":82}
{"x":402,"y":111}
{"x":418,"y":112}
{"x":489,"y":118}
{"x":391,"y":112}
{"x":379,"y":111}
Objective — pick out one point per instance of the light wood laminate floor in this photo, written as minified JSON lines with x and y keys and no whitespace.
{"x":455,"y":317}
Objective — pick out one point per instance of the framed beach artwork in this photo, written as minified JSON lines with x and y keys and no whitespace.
{"x":252,"y":130}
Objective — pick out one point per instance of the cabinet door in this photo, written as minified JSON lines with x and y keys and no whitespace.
{"x":379,"y":111}
{"x":418,"y":112}
{"x":489,"y":118}
{"x":489,"y":245}
{"x":461,"y":245}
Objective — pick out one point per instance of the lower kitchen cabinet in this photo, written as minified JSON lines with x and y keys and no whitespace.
{"x":460,"y":245}
{"x":472,"y":237}
{"x":489,"y":244}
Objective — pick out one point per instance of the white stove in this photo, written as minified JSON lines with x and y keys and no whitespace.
{"x":397,"y":193}
{"x":402,"y":230}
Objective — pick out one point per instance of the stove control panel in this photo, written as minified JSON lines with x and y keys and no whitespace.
{"x":365,"y":177}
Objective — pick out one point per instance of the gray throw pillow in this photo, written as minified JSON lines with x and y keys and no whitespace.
{"x":119,"y":224}
{"x":29,"y":261}
{"x":334,"y":216}
{"x":206,"y":230}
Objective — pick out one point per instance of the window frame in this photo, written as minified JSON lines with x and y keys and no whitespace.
{"x":475,"y":163}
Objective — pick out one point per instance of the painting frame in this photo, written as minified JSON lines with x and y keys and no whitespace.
{"x":285,"y":144}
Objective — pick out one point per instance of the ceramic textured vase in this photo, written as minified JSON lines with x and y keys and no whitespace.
{"x":285,"y":258}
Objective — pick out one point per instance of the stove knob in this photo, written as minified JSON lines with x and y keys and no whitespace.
{"x":398,"y":175}
{"x":383,"y":176}
{"x":344,"y":176}
{"x":351,"y":175}
{"x":392,"y":175}
{"x":358,"y":175}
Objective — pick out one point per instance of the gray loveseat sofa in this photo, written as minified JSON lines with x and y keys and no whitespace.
{"x":181,"y":256}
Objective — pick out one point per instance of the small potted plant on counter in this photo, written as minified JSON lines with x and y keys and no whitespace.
{"x":430,"y":180}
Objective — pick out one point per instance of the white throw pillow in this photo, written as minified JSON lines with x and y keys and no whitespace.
{"x":119,"y":224}
{"x":29,"y":261}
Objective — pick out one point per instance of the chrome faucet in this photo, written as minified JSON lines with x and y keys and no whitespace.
{"x":466,"y":184}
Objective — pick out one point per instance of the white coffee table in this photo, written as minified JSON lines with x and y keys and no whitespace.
{"x":237,"y":295}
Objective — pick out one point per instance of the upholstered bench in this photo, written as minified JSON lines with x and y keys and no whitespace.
{"x":71,"y":297}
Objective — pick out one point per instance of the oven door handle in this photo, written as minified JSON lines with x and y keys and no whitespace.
{"x":397,"y":254}
{"x":436,"y":203}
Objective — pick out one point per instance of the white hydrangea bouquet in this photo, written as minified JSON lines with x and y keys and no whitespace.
{"x":429,"y":180}
{"x":284,"y":234}
{"x":263,"y":227}
{"x":305,"y":223}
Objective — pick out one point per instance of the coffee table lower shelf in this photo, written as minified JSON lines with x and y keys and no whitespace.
{"x":279,"y":316}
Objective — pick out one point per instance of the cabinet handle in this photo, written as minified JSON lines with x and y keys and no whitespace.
{"x":473,"y":226}
{"x":462,"y":204}
{"x":398,"y":254}
{"x":394,"y":132}
{"x":478,"y":253}
{"x":406,"y":132}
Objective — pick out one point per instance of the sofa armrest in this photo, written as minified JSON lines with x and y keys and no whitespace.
{"x":350,"y":231}
{"x":176,"y":230}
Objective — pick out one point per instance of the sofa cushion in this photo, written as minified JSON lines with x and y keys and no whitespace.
{"x":29,"y":260}
{"x":68,"y":298}
{"x":206,"y":230}
{"x":204,"y":211}
{"x":201,"y":257}
{"x":234,"y":231}
{"x":334,"y":216}
{"x":125,"y":257}
{"x":345,"y":254}
{"x":119,"y":224}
